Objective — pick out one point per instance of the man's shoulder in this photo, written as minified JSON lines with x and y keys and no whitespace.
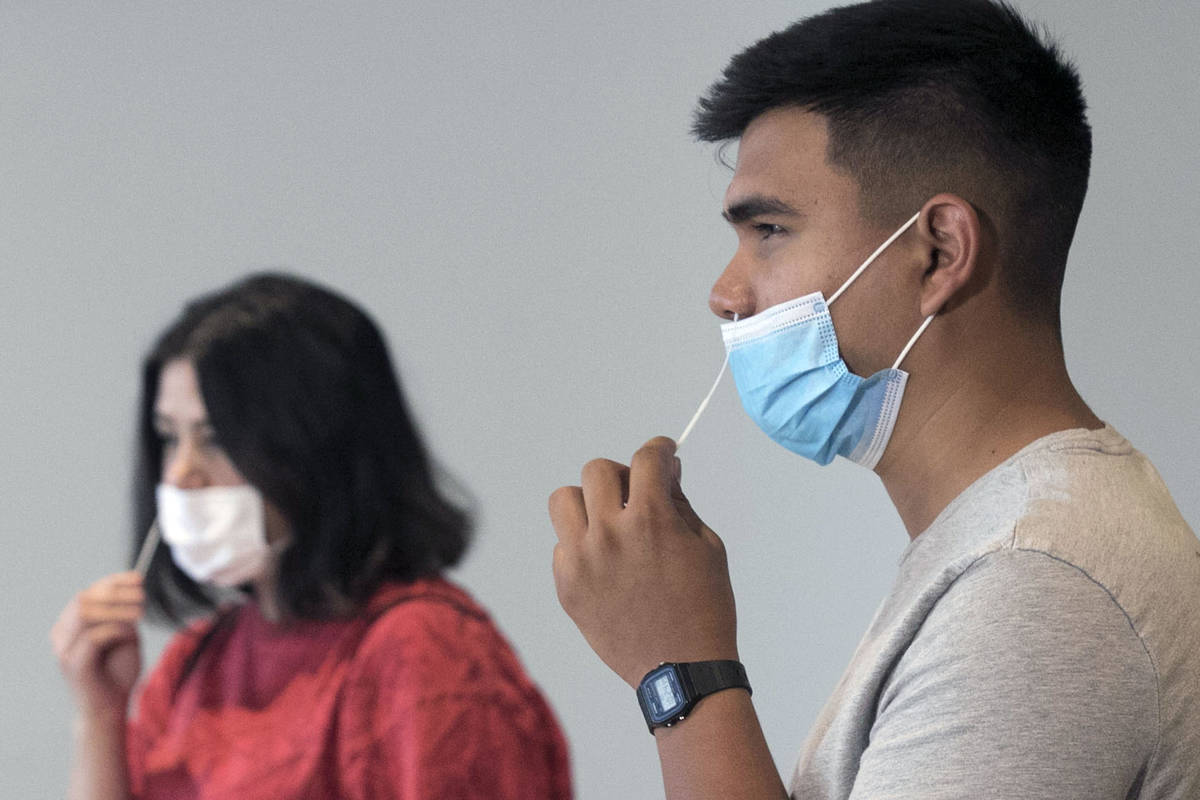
{"x":1018,"y":624}
{"x":1022,"y":583}
{"x":1108,"y":514}
{"x":1084,"y":497}
{"x":1081,"y":498}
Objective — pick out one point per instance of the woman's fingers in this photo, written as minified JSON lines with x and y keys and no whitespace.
{"x":96,"y":642}
{"x":98,"y":616}
{"x":121,"y":587}
{"x":102,"y":637}
{"x":86,"y":651}
{"x":119,"y":594}
{"x":96,"y":611}
{"x":76,"y":645}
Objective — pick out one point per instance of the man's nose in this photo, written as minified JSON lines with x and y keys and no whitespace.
{"x":184,"y":468}
{"x":732,"y":294}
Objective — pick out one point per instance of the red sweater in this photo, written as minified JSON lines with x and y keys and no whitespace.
{"x":419,"y":697}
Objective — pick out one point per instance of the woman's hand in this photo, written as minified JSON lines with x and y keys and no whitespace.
{"x":96,"y":642}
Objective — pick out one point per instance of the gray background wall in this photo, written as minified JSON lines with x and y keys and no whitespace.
{"x":511,"y":190}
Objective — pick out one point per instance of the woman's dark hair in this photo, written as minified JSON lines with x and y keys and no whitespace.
{"x":302,"y":397}
{"x":930,"y":96}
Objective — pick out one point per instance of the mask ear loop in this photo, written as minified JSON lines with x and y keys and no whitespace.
{"x":913,"y":340}
{"x":862,"y":268}
{"x":871,"y":258}
{"x":704,"y":403}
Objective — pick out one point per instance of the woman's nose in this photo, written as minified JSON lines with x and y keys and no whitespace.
{"x":731,"y":294}
{"x":183,"y":467}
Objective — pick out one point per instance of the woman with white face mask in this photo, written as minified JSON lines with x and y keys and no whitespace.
{"x":303,"y":534}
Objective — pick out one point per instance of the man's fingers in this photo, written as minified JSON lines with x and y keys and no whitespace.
{"x":605,"y":486}
{"x":568,"y":514}
{"x":561,"y":566}
{"x":684,"y":507}
{"x":652,"y":472}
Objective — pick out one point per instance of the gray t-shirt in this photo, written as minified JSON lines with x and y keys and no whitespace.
{"x":1042,"y":640}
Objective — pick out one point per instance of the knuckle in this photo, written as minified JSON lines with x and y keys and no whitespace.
{"x":78,"y":662}
{"x":643,"y":454}
{"x":598,"y":468}
{"x":560,"y":562}
{"x":92,"y":595}
{"x":566,"y":585}
{"x":564,"y":511}
{"x":647,"y":515}
{"x":638,"y":516}
{"x":658,"y":447}
{"x":714,"y":541}
{"x":719,"y":554}
{"x":107,"y":632}
{"x":605,"y":543}
{"x":560,"y":497}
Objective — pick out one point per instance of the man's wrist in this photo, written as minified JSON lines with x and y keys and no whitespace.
{"x":668,"y":693}
{"x":719,"y":706}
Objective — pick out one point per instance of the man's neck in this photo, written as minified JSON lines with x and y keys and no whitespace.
{"x":953,"y":430}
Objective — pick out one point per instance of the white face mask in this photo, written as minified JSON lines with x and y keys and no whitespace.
{"x":216,"y":534}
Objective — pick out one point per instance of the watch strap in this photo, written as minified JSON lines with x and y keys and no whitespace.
{"x":706,"y":677}
{"x":695,"y":680}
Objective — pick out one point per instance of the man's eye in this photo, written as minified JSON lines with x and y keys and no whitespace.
{"x":767,"y":229}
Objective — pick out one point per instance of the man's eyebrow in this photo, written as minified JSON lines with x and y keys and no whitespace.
{"x":757,"y":206}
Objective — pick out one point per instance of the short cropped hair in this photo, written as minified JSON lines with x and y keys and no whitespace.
{"x":930,"y":96}
{"x":301,"y":395}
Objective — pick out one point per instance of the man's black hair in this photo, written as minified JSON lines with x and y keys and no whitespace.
{"x":929,"y":96}
{"x":301,"y":395}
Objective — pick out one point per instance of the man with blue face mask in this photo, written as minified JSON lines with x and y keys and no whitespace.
{"x":909,"y":175}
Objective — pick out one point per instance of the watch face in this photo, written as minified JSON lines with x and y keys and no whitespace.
{"x":662,"y":694}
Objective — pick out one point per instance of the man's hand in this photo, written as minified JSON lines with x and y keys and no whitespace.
{"x":644,"y":579}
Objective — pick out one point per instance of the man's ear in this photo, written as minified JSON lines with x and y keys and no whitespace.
{"x":949,"y":227}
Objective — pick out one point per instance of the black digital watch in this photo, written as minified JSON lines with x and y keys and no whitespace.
{"x":669,"y":692}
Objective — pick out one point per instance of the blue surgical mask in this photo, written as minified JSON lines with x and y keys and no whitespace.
{"x":795,"y":385}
